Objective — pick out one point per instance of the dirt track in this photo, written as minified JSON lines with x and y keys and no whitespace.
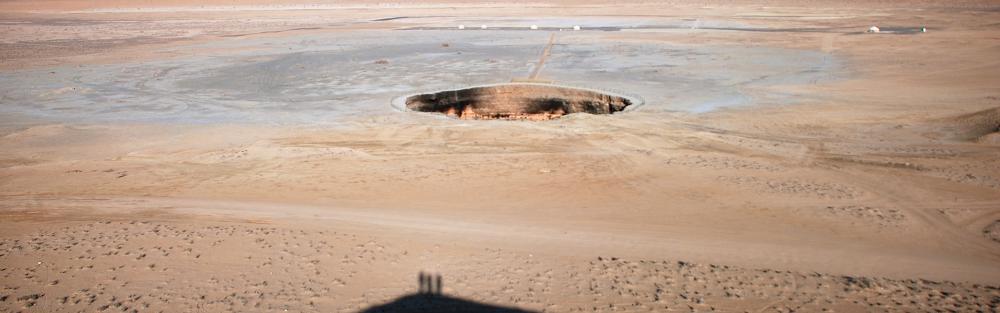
{"x":246,"y":158}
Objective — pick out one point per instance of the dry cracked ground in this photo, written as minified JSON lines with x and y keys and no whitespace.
{"x":200,"y":156}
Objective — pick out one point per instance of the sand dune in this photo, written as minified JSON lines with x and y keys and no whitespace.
{"x":982,"y":126}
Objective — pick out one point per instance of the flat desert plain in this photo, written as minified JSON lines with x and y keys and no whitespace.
{"x":242,"y":156}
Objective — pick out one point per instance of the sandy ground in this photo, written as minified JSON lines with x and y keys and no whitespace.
{"x":198,"y":156}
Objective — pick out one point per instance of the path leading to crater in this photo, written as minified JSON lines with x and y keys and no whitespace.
{"x":541,"y":59}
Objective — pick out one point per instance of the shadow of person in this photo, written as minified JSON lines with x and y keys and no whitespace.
{"x":429,"y":298}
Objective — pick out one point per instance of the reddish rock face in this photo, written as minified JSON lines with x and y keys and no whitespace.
{"x":516,"y":102}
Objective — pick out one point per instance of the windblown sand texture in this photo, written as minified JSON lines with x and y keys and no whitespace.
{"x":247,"y":156}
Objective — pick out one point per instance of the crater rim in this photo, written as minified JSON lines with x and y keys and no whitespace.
{"x":400,"y":103}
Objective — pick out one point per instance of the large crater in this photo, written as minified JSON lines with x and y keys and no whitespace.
{"x":517,"y":101}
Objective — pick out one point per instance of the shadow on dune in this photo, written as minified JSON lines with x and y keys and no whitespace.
{"x":430,"y":299}
{"x":438,"y":303}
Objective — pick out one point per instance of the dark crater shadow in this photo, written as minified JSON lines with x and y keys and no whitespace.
{"x":537,"y":102}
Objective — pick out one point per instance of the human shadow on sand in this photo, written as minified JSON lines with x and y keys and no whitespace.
{"x":430,"y":299}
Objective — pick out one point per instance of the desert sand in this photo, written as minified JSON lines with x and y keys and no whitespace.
{"x":210,"y":156}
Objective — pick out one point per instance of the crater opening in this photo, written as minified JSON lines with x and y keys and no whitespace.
{"x":518,"y":101}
